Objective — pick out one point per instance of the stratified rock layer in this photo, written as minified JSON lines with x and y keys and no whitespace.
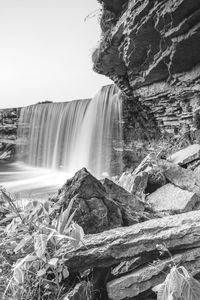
{"x":152,"y":53}
{"x":8,"y":132}
{"x":136,"y":247}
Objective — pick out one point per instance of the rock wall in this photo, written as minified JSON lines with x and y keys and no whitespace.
{"x":150,"y":49}
{"x":8,"y":132}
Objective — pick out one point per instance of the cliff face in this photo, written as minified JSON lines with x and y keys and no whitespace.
{"x":151,"y":51}
{"x":8,"y":132}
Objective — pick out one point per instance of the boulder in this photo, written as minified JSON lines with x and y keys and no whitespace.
{"x":172,"y":198}
{"x":184,"y":178}
{"x":99,"y":206}
{"x":185,"y":155}
{"x":146,"y":178}
{"x":137,"y":179}
{"x":94,"y":211}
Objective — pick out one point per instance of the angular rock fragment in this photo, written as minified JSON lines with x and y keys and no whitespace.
{"x":183,"y":178}
{"x":185,"y":155}
{"x":126,"y":181}
{"x":94,"y":211}
{"x":131,"y":208}
{"x":99,"y":206}
{"x":134,"y":183}
{"x":146,"y":178}
{"x":122,"y":196}
{"x":173,"y":199}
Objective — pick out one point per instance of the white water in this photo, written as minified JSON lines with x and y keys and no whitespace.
{"x":57,"y":139}
{"x":71,"y":135}
{"x":30,"y":182}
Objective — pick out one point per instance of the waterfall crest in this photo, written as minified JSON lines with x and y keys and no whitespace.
{"x":72,"y":135}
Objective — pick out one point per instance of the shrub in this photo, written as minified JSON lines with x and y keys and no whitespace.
{"x":32,"y":237}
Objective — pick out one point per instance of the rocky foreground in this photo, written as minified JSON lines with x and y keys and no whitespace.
{"x":156,"y":205}
{"x":127,"y":223}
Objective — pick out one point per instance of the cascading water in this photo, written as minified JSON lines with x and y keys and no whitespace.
{"x":72,"y":135}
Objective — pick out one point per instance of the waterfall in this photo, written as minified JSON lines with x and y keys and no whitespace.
{"x":71,"y":135}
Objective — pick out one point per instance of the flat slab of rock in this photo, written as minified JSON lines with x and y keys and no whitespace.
{"x":172,"y":198}
{"x":138,"y":244}
{"x":143,"y":279}
{"x":185,"y":155}
{"x":184,"y":178}
{"x":110,"y":247}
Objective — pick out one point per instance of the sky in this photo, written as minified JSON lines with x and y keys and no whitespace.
{"x":45,"y":51}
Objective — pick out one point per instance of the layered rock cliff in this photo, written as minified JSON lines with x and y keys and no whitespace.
{"x":8,"y":132}
{"x":150,"y":49}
